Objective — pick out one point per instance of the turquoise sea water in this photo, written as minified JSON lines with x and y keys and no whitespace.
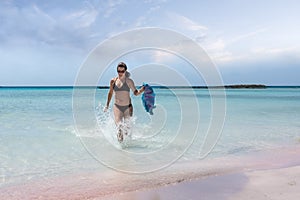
{"x":39,"y":137}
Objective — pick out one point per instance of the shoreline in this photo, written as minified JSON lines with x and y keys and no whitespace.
{"x":282,"y":183}
{"x":268,"y":175}
{"x":200,"y":176}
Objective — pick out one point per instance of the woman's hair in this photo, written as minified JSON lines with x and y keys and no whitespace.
{"x":127,"y":74}
{"x":123,"y":65}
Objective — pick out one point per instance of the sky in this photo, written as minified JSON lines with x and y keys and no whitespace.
{"x":46,"y":42}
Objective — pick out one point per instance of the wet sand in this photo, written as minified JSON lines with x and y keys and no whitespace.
{"x":272,"y":174}
{"x":275,"y":184}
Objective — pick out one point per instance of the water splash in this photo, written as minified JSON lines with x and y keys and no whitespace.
{"x":139,"y":135}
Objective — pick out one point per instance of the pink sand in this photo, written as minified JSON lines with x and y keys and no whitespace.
{"x":274,"y":174}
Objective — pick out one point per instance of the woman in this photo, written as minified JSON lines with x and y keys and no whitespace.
{"x":122,"y":108}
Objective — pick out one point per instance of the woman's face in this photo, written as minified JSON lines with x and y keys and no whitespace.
{"x":121,"y":71}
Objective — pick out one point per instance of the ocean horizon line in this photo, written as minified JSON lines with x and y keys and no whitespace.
{"x":229,"y":86}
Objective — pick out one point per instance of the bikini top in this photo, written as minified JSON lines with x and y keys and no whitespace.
{"x":124,"y":87}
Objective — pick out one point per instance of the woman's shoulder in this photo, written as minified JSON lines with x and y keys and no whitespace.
{"x":113,"y":80}
{"x":129,"y":80}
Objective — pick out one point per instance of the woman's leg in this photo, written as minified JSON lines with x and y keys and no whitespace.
{"x":130,"y":110}
{"x":118,"y":120}
{"x":127,"y":117}
{"x":118,"y":114}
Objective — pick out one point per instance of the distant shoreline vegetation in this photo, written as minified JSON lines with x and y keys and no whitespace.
{"x":254,"y":86}
{"x":234,"y":86}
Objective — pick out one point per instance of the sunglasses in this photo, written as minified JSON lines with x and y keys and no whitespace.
{"x":121,"y":71}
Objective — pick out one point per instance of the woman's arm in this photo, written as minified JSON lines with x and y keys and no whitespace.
{"x":136,"y":92}
{"x":110,"y":93}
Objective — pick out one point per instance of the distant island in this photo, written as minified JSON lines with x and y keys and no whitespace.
{"x":251,"y":86}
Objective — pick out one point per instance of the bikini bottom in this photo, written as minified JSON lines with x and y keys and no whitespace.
{"x":123,"y":108}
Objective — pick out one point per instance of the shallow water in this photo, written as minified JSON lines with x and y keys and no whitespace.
{"x":39,"y":137}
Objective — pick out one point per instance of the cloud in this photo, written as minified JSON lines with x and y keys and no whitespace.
{"x":273,"y":51}
{"x":154,"y":8}
{"x":27,"y":23}
{"x":37,"y":24}
{"x":225,"y":50}
{"x":185,"y":23}
{"x":83,"y":18}
{"x":111,"y":7}
{"x":218,"y":52}
{"x":43,"y":14}
{"x":259,"y":57}
{"x":247,"y":35}
{"x":140,"y":21}
{"x":218,"y":45}
{"x":164,"y":57}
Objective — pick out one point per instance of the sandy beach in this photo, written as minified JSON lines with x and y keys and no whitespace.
{"x":275,"y":184}
{"x":273,"y":174}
